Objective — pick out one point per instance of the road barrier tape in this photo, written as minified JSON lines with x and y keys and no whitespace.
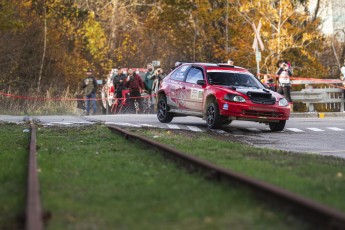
{"x":299,"y":80}
{"x":82,"y":98}
{"x":294,"y":80}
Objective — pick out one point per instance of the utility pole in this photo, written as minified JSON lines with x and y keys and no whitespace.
{"x":256,"y":43}
{"x":226,"y":28}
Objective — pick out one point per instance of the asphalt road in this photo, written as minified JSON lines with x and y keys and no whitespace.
{"x":307,"y":134}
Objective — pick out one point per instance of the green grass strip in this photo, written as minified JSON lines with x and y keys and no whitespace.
{"x":14,"y":155}
{"x":321,"y":178}
{"x":94,"y":179}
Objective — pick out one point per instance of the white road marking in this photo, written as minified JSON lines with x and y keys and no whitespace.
{"x":333,"y":151}
{"x":122,"y":124}
{"x":219,"y":131}
{"x":254,"y":129}
{"x":295,"y":130}
{"x":316,"y":129}
{"x":60,"y":123}
{"x":194,"y":128}
{"x":173,"y":127}
{"x":335,"y":129}
{"x":147,"y":125}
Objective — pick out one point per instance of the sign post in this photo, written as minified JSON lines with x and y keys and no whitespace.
{"x":256,"y":43}
{"x":156,"y":63}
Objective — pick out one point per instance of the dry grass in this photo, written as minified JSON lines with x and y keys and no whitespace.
{"x":48,"y":103}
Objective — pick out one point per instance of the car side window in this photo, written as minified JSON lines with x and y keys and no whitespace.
{"x":194,"y":75}
{"x":180,"y":73}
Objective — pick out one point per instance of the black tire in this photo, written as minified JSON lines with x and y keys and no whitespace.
{"x":213,"y":119}
{"x":226,"y":121}
{"x":162,"y":111}
{"x":277,"y":126}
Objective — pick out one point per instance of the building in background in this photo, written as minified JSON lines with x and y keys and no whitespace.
{"x":332,"y":12}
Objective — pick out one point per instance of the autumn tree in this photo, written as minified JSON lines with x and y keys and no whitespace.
{"x":287,"y":32}
{"x":51,"y":43}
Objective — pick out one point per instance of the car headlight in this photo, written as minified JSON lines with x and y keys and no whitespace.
{"x":234,"y":98}
{"x":283,"y":102}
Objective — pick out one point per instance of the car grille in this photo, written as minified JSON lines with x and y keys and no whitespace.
{"x":261,"y":98}
{"x":265,"y":101}
{"x":262,"y":113}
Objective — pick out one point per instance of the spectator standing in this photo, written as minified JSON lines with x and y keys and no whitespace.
{"x":230,"y":61}
{"x":284,"y":73}
{"x":135,"y":85}
{"x":113,"y":73}
{"x":342,"y":70}
{"x":159,"y":75}
{"x":90,"y":87}
{"x":268,"y":81}
{"x":119,"y":85}
{"x":149,"y":78}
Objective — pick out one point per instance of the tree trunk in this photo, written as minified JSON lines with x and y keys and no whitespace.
{"x":44,"y":50}
{"x":316,"y":11}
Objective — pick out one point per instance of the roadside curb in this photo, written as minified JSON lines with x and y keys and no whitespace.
{"x":318,"y":115}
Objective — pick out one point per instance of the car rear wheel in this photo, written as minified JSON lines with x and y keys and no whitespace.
{"x":162,"y":111}
{"x":277,"y":126}
{"x":213,"y":119}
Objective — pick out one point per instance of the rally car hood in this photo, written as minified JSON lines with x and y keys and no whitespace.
{"x":240,"y":89}
{"x":249,"y":91}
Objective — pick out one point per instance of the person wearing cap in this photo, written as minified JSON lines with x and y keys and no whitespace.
{"x":90,"y":87}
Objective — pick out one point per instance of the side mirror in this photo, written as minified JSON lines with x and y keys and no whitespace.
{"x":200,"y":82}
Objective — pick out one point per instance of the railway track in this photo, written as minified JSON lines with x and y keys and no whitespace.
{"x":321,"y":216}
{"x":33,"y":211}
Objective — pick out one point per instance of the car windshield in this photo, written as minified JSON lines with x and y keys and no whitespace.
{"x":233,"y":79}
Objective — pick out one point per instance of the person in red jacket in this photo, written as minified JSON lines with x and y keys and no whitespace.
{"x":135,"y":86}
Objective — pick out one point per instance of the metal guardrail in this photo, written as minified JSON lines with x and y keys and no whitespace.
{"x":331,"y":97}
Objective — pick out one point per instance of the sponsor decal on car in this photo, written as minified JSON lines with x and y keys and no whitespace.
{"x":196,"y":94}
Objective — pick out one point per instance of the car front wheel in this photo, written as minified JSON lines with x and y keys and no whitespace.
{"x":213,"y":119}
{"x":226,"y":121}
{"x":162,"y":111}
{"x":277,"y":126}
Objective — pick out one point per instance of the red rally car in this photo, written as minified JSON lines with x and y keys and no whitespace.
{"x":219,"y":93}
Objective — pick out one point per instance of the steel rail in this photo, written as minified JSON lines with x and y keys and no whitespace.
{"x":33,"y":217}
{"x":321,"y":215}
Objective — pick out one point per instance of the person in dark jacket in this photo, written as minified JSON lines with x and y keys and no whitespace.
{"x":90,"y":87}
{"x":119,"y":85}
{"x":135,"y":85}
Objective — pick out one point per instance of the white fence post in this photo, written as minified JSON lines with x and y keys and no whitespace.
{"x":330,"y":97}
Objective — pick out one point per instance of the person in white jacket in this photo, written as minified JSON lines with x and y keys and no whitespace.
{"x":342,"y":76}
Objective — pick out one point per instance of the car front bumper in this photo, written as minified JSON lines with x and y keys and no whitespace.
{"x":253,"y":112}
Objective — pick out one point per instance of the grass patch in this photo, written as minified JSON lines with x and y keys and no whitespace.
{"x":321,"y":178}
{"x":13,"y":174}
{"x":94,"y":179}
